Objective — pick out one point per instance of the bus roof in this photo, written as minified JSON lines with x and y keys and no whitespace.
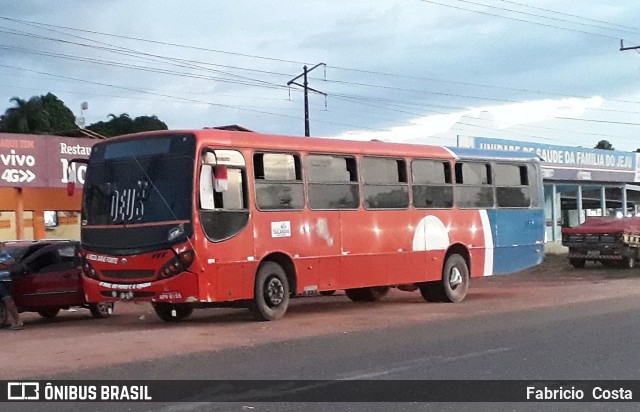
{"x":233,"y":138}
{"x":467,"y":153}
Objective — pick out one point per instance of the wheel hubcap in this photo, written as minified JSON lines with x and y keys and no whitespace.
{"x":274,"y":292}
{"x":455,"y":278}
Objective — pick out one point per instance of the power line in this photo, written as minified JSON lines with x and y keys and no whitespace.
{"x":519,"y":19}
{"x":31,"y":23}
{"x":182,"y":98}
{"x":569,"y":15}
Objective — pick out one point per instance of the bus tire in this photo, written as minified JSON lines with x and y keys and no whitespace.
{"x":48,"y":313}
{"x":455,"y":279}
{"x":577,"y":263}
{"x":101,"y":310}
{"x":271,"y":292}
{"x":369,"y":294}
{"x":432,"y":291}
{"x":172,"y":312}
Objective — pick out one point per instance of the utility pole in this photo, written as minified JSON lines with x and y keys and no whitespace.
{"x":305,"y":86}
{"x":622,"y":48}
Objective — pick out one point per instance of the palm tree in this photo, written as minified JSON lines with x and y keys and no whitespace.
{"x":28,"y":116}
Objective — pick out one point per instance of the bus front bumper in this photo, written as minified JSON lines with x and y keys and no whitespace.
{"x":182,"y":288}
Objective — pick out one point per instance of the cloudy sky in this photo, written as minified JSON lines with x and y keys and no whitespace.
{"x":396,"y":70}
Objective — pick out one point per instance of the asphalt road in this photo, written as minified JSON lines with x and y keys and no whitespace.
{"x":594,"y":340}
{"x":549,"y":323}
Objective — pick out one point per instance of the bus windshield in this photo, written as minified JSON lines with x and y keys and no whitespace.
{"x":146,"y":182}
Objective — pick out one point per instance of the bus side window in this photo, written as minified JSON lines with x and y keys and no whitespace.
{"x":332,"y":182}
{"x":224,"y":208}
{"x":431,"y":184}
{"x":384,"y":183}
{"x":474,"y":187}
{"x":512,"y":185}
{"x":278,"y":181}
{"x":232,"y":198}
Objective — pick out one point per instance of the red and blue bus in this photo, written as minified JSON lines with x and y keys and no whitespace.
{"x":205,"y":218}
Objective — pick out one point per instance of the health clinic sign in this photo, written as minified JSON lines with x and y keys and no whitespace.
{"x":40,"y":160}
{"x":568,"y":162}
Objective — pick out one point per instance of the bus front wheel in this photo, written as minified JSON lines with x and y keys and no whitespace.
{"x":172,"y":312}
{"x":271,"y":292}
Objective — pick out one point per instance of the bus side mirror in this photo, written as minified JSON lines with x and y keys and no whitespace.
{"x":72,"y":174}
{"x":220,"y":178}
{"x":71,"y":182}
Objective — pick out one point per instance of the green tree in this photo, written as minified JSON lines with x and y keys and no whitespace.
{"x":39,"y":115}
{"x":61,"y":118}
{"x":604,"y":144}
{"x":27,"y":116}
{"x":123,"y":124}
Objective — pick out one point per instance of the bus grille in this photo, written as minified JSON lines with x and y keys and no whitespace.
{"x":128,"y":274}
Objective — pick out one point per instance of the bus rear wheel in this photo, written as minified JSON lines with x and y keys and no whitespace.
{"x":370,"y":294}
{"x":172,"y":312}
{"x":271,"y":292}
{"x":454,"y":284}
{"x":455,"y":278}
{"x":432,"y":291}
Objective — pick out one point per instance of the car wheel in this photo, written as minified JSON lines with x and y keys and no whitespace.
{"x":3,"y":314}
{"x":629,"y":262}
{"x":48,"y":313}
{"x":101,"y":310}
{"x":172,"y":312}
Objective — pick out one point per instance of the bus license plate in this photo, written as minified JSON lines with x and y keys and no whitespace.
{"x":593,"y":253}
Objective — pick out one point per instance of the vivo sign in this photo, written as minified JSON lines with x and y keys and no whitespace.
{"x":41,"y":161}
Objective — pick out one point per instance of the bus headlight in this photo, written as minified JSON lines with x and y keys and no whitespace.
{"x":89,"y":271}
{"x":178,"y":264}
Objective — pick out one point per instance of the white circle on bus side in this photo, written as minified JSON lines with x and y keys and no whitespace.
{"x":430,"y":234}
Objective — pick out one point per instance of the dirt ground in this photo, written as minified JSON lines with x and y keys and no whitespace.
{"x":74,"y":341}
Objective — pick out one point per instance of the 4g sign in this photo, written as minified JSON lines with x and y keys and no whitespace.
{"x":17,"y":176}
{"x":42,"y":161}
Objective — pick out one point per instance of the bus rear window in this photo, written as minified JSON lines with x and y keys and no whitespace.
{"x":512,"y":185}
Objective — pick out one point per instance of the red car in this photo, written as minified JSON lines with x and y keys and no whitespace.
{"x":46,"y":276}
